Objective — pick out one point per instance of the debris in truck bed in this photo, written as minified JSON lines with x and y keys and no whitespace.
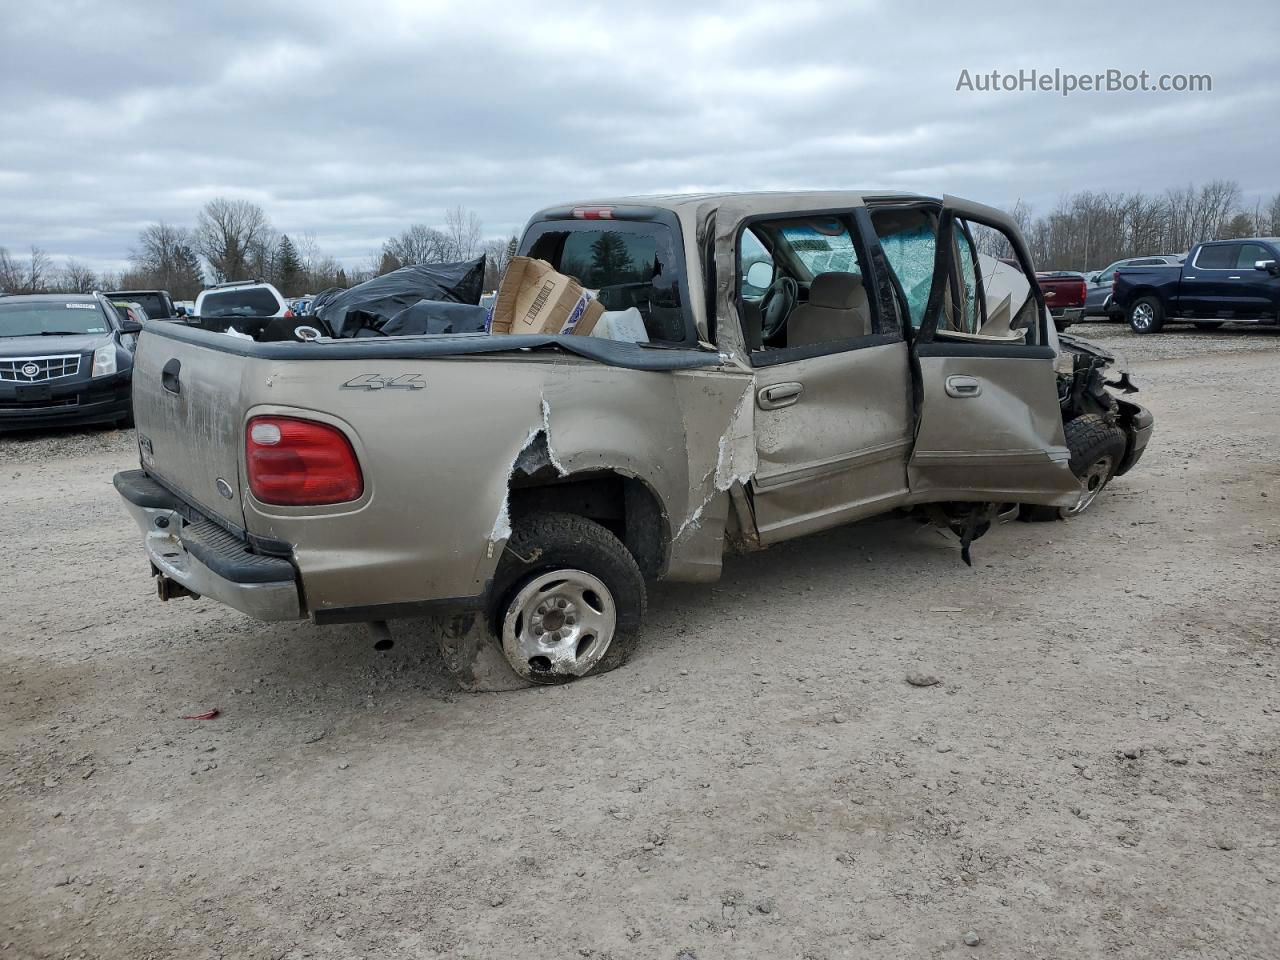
{"x":371,"y":305}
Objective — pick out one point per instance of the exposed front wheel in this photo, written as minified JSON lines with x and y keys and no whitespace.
{"x":1146,"y":315}
{"x":569,"y":598}
{"x":1097,"y":447}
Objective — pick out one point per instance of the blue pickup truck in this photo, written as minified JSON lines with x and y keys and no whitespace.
{"x":1236,"y":280}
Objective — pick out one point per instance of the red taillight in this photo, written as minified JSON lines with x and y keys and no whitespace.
{"x":593,"y":213}
{"x":298,"y":463}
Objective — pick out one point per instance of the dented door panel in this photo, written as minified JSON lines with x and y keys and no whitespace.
{"x":837,"y":449}
{"x":1003,"y":443}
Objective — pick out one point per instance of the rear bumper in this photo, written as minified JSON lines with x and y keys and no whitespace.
{"x":204,"y":559}
{"x":1067,"y":314}
{"x":80,"y":402}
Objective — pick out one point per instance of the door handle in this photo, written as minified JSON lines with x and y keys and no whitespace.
{"x":962,"y":387}
{"x":169,"y":376}
{"x":1233,"y":278}
{"x":779,"y":395}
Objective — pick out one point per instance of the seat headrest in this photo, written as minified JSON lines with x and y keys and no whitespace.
{"x":836,"y":291}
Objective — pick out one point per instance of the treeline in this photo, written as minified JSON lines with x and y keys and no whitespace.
{"x":235,"y":240}
{"x":1087,"y":231}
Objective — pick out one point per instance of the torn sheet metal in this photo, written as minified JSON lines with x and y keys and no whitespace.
{"x":502,"y":525}
{"x":735,"y":461}
{"x":537,"y":446}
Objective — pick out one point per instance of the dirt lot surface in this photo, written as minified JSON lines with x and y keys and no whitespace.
{"x":1097,"y":773}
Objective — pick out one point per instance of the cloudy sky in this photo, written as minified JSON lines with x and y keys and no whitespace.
{"x":354,"y":119}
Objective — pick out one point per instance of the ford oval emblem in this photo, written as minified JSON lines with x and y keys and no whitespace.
{"x":224,"y":488}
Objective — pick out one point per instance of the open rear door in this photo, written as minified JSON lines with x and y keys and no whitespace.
{"x":989,"y":426}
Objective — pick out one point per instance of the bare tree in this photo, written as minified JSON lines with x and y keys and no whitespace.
{"x":462,"y":228}
{"x":30,"y":277}
{"x":418,"y":244}
{"x":497,"y":255}
{"x":39,"y":271}
{"x":76,"y":277}
{"x":319,"y":270}
{"x":1089,"y":229}
{"x":229,"y":234}
{"x":165,"y":258}
{"x":1271,"y":225}
{"x":10,"y":272}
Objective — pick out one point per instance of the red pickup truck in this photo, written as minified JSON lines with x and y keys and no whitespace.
{"x":1064,"y":295}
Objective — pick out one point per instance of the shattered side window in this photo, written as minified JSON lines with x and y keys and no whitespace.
{"x":823,"y":245}
{"x":965,"y":316}
{"x":909,"y":239}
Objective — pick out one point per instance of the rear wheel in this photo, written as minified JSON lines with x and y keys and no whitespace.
{"x":1097,"y":447}
{"x":1208,"y":325}
{"x":570,"y":598}
{"x":1146,"y":315}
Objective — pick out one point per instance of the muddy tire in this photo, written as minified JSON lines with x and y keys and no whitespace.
{"x":1208,"y":325}
{"x":1146,"y":315}
{"x":568,"y":598}
{"x":1097,"y":447}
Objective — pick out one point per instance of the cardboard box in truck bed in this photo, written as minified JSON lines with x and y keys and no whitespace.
{"x":534,"y":298}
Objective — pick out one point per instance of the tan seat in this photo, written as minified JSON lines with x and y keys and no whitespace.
{"x":837,"y":310}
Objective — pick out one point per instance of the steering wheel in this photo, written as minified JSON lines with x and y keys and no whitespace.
{"x":776,"y":305}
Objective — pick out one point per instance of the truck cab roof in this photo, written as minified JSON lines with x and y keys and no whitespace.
{"x":691,"y":215}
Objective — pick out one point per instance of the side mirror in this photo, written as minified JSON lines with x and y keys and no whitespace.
{"x":130,"y":326}
{"x":1096,"y":278}
{"x":1270,"y":266}
{"x":759,"y":274}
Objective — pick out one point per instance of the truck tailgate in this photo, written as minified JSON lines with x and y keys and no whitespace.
{"x":188,"y":409}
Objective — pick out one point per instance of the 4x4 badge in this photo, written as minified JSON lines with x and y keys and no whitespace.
{"x":376,"y":381}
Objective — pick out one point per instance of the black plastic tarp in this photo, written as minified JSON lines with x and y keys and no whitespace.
{"x":436,"y":316}
{"x":372,"y":305}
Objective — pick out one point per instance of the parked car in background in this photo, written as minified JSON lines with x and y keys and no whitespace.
{"x":1097,"y":301}
{"x":241,"y":299}
{"x":131,"y":312}
{"x":158,"y":304}
{"x":1064,"y":293}
{"x":65,"y":358}
{"x":185,"y":308}
{"x":1223,"y":280}
{"x":300,"y":306}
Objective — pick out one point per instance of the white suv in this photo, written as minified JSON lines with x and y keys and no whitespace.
{"x":241,"y":298}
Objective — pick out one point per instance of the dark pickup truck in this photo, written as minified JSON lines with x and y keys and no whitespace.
{"x":1236,"y":280}
{"x":157,"y":303}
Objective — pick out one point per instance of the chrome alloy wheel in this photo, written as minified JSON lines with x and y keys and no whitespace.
{"x":1144,"y":315}
{"x":558,"y":625}
{"x":1091,"y":484}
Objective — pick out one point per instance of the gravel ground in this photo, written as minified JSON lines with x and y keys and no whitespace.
{"x":1095,"y":774}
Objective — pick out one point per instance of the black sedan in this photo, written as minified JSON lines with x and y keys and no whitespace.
{"x":65,"y":358}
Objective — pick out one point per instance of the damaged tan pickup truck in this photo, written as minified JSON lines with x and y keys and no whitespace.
{"x":808,"y":359}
